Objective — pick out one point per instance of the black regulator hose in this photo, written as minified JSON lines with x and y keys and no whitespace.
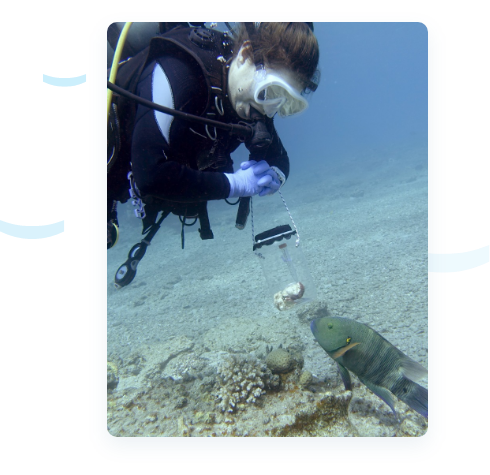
{"x":245,"y":131}
{"x":261,"y":138}
{"x":258,"y":143}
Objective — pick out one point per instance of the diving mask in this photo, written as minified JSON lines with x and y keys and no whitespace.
{"x":276,"y":95}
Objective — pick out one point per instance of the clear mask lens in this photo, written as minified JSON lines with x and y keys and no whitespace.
{"x":275,"y":95}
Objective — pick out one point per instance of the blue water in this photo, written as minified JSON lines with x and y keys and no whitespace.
{"x":373,"y":89}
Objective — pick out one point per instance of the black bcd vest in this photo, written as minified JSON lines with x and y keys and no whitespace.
{"x":211,"y":50}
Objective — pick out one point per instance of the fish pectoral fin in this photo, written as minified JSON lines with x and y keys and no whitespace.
{"x":382,"y":393}
{"x":344,"y":374}
{"x":344,"y":350}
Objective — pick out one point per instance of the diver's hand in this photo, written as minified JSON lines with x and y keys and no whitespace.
{"x":253,"y":178}
{"x":274,"y":179}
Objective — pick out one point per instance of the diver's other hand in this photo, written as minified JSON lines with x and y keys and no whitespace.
{"x":272,"y":181}
{"x":253,"y":178}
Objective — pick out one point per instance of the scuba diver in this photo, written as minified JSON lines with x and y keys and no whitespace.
{"x":217,"y":91}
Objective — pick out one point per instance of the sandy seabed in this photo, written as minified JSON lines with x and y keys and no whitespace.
{"x":188,"y":339}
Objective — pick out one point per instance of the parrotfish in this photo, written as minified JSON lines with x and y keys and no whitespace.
{"x":379,"y":365}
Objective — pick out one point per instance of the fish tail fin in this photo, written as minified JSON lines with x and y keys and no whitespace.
{"x":412,"y":370}
{"x":414,"y":395}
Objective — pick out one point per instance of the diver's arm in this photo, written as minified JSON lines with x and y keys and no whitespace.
{"x":175,"y":182}
{"x":276,"y":155}
{"x":172,"y":181}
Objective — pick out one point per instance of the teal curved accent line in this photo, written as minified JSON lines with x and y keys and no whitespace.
{"x":64,"y":82}
{"x":32,"y":232}
{"x":459,"y":261}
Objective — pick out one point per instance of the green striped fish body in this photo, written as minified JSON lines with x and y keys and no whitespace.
{"x":382,"y":367}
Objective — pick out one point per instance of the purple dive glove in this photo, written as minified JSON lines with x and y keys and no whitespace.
{"x":253,"y":178}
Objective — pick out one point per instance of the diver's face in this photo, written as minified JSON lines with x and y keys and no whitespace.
{"x":240,"y":86}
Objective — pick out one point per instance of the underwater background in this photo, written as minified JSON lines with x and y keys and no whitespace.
{"x":196,"y":323}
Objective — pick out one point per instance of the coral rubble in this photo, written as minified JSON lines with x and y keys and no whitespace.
{"x":242,"y":380}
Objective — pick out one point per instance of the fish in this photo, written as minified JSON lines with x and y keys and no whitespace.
{"x":378,"y":364}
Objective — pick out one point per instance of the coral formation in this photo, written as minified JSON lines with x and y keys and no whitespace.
{"x":241,"y":380}
{"x":305,"y":379}
{"x":279,"y":361}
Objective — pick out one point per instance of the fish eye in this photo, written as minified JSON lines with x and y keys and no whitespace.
{"x":330,"y":326}
{"x":349,"y":339}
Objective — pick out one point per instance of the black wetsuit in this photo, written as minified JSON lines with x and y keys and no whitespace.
{"x":173,"y":169}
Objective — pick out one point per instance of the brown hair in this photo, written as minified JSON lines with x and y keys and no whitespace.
{"x":287,"y":45}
